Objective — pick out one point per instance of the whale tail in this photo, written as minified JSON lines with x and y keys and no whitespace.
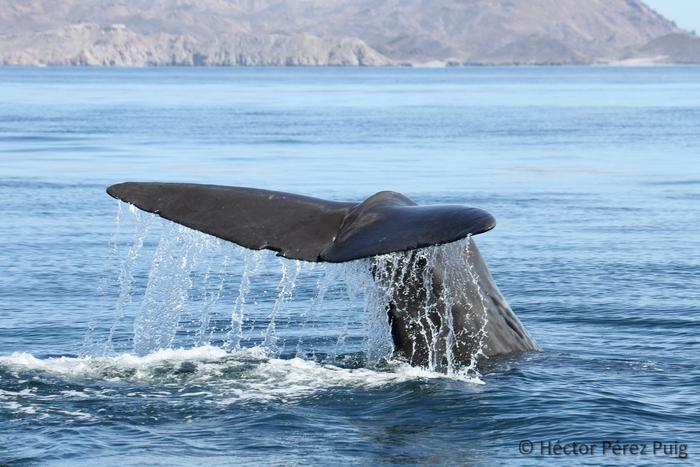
{"x":433,"y":323}
{"x":305,"y":228}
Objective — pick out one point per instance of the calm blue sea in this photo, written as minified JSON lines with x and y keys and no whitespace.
{"x":128,"y":341}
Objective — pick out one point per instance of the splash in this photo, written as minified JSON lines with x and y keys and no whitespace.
{"x":199,"y":376}
{"x":198,"y":291}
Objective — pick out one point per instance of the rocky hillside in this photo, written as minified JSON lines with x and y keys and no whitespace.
{"x":338,"y":32}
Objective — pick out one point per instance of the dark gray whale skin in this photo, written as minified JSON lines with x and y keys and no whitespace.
{"x":305,"y":228}
{"x":478,"y":325}
{"x":312,"y":229}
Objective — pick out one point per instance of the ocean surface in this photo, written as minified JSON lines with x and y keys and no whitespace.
{"x":127,"y":340}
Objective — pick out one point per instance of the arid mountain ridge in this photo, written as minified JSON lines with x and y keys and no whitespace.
{"x":339,"y":32}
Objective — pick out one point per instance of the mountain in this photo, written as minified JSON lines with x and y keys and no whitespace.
{"x":671,"y":48}
{"x":338,"y":32}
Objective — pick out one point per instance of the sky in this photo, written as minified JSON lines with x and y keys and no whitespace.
{"x":686,"y":13}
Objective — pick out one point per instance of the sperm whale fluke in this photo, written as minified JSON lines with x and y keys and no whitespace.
{"x":305,"y":228}
{"x":428,"y":331}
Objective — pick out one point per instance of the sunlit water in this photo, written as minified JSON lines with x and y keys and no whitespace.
{"x":126,"y":340}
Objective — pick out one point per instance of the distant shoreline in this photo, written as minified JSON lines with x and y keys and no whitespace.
{"x":622,"y":64}
{"x":343,"y":33}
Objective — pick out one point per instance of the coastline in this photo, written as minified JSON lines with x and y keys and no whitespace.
{"x":616,"y":64}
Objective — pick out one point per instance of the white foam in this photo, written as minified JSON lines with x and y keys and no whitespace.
{"x":290,"y":379}
{"x":96,"y":366}
{"x":76,"y":414}
{"x":227,"y":377}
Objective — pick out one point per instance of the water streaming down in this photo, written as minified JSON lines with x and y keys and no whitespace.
{"x":124,"y":278}
{"x":251,"y":263}
{"x":422,"y":290}
{"x":126,"y":270}
{"x":213,"y":287}
{"x":169,"y":282}
{"x":201,"y":291}
{"x":288,"y":282}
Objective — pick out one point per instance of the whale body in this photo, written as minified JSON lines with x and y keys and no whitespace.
{"x":445,"y":310}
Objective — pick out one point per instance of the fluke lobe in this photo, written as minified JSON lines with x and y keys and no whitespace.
{"x":425,"y":329}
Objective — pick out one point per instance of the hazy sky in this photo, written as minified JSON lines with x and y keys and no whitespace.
{"x":686,"y":13}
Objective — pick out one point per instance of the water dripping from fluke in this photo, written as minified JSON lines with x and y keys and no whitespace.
{"x":434,"y":307}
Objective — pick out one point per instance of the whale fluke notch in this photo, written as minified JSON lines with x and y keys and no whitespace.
{"x":306,"y":228}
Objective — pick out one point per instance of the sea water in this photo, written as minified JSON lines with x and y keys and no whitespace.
{"x":127,"y":340}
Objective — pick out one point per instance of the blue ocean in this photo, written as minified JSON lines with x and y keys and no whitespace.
{"x":128,"y":340}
